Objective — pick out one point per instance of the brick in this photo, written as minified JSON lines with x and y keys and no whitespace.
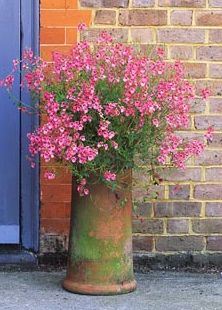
{"x":143,"y":3}
{"x":61,"y":18}
{"x":208,"y":226}
{"x":104,"y":3}
{"x":181,"y":52}
{"x":143,"y":17}
{"x":213,"y":209}
{"x":106,"y":17}
{"x":177,"y":209}
{"x":191,"y":135}
{"x":215,"y":105}
{"x":59,"y":4}
{"x":216,"y":71}
{"x":149,"y":49}
{"x":183,"y":3}
{"x":215,"y":36}
{"x":214,"y":243}
{"x":182,"y":18}
{"x":195,"y":70}
{"x":214,"y":174}
{"x":209,"y":18}
{"x":187,"y":174}
{"x":71,"y":35}
{"x":217,"y":140}
{"x":208,"y":191}
{"x":142,"y":243}
{"x":142,"y":190}
{"x":143,"y":210}
{"x":215,"y":87}
{"x":177,"y":226}
{"x":186,"y":209}
{"x":52,"y":35}
{"x":187,"y":35}
{"x":209,"y":158}
{"x":142,"y":35}
{"x":179,"y":243}
{"x":215,"y":3}
{"x":154,"y":226}
{"x":163,"y":209}
{"x":198,"y":105}
{"x":59,"y":226}
{"x":179,"y":192}
{"x":55,"y":210}
{"x":143,"y":193}
{"x":118,"y":34}
{"x":209,"y":53}
{"x":146,"y":49}
{"x":46,"y":51}
{"x":56,"y":193}
{"x":62,"y":176}
{"x":70,"y":4}
{"x":203,"y":122}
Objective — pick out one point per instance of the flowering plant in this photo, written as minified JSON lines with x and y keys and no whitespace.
{"x":107,"y":107}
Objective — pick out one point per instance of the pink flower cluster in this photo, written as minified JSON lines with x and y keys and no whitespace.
{"x":109,"y":176}
{"x":82,"y":189}
{"x":100,"y":104}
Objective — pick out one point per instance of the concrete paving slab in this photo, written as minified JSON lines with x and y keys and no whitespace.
{"x":156,"y":291}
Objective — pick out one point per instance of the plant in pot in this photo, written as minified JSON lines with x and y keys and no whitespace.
{"x":105,"y":109}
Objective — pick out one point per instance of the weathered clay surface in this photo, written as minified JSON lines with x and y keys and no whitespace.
{"x":100,"y":250}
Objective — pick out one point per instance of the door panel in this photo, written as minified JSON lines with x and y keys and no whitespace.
{"x":9,"y":126}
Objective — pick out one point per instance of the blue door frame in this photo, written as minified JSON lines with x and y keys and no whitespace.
{"x":9,"y":126}
{"x":29,"y":211}
{"x":28,"y":238}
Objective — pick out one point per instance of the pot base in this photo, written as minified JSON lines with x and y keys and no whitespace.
{"x":91,"y":289}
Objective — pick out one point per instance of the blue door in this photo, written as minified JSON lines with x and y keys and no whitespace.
{"x":9,"y":126}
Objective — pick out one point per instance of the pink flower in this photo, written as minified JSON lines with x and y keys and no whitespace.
{"x":82,"y":189}
{"x":49,"y":175}
{"x":15,"y":63}
{"x":112,"y":110}
{"x":102,"y":145}
{"x":92,"y":98}
{"x":114,"y":145}
{"x":8,"y":81}
{"x":83,"y":181}
{"x":156,"y":122}
{"x":194,"y":148}
{"x":27,"y":54}
{"x":86,"y":191}
{"x":105,"y":37}
{"x":209,"y":134}
{"x":23,"y":109}
{"x":104,"y":132}
{"x":109,"y":176}
{"x":160,"y":52}
{"x":205,"y":93}
{"x":81,"y":27}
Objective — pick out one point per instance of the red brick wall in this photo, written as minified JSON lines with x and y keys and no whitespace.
{"x":188,"y":218}
{"x":59,"y":21}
